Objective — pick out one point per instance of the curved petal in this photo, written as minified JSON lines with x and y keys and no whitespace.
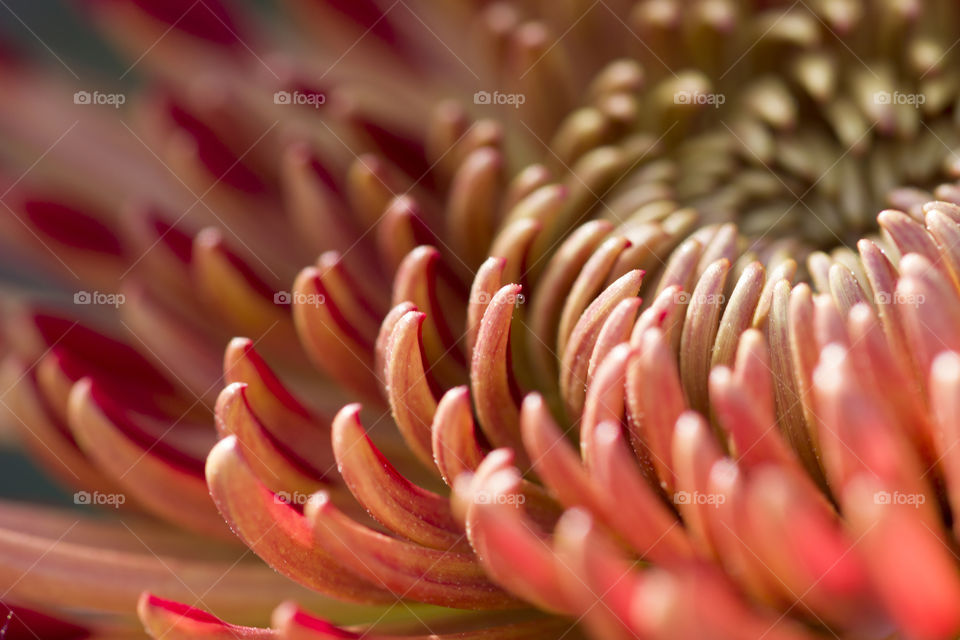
{"x":930,"y":313}
{"x":381,"y":352}
{"x":605,"y":398}
{"x":418,"y":280}
{"x":513,"y":244}
{"x":599,"y":580}
{"x":491,"y":374}
{"x":694,"y":453}
{"x":270,"y":461}
{"x":243,"y":300}
{"x":406,"y":509}
{"x":21,"y":622}
{"x":554,"y":285}
{"x":743,"y":400}
{"x":555,"y":459}
{"x":655,"y":400}
{"x":651,"y":528}
{"x":700,"y":332}
{"x":297,"y":430}
{"x":335,"y":347}
{"x":411,"y":400}
{"x":615,"y":330}
{"x":514,"y":554}
{"x":577,"y":350}
{"x":164,"y":479}
{"x":789,"y":403}
{"x":174,"y":621}
{"x":588,"y":285}
{"x":488,"y":280}
{"x":738,"y":314}
{"x":276,"y":532}
{"x":474,"y":197}
{"x":805,"y":547}
{"x":913,"y":568}
{"x":441,"y":577}
{"x":455,"y":445}
{"x":945,"y":400}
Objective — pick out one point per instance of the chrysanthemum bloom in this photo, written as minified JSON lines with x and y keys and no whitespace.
{"x":636,"y":356}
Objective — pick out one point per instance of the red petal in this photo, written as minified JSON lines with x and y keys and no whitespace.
{"x":171,"y":620}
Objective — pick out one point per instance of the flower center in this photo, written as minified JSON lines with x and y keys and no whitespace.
{"x":800,"y":160}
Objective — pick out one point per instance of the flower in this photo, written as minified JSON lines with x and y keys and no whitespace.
{"x":589,"y":268}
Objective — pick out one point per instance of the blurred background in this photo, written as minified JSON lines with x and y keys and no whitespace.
{"x":34,"y":25}
{"x":43,"y":29}
{"x":52,"y":33}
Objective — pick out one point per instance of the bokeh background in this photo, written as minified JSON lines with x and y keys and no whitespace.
{"x":43,"y":29}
